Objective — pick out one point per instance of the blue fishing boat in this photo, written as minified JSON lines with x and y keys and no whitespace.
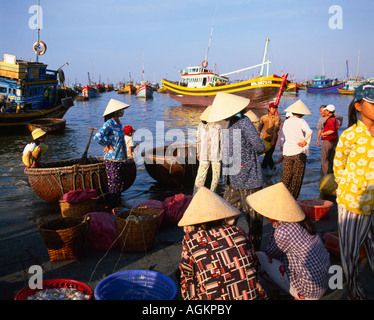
{"x":29,"y":91}
{"x":144,"y":91}
{"x":321,"y":84}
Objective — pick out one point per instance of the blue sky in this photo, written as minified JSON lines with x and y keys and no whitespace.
{"x":112,"y":38}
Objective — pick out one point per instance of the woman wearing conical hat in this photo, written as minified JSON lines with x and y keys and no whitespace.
{"x":111,"y":137}
{"x":241,"y":167}
{"x":297,"y":135}
{"x":209,"y":151}
{"x":218,"y":261}
{"x":295,"y":258}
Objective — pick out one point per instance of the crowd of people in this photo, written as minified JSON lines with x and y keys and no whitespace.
{"x":219,"y":259}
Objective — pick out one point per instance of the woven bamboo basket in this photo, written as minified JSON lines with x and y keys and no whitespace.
{"x":65,"y":238}
{"x":137,"y":228}
{"x":79,"y":209}
{"x":51,"y":182}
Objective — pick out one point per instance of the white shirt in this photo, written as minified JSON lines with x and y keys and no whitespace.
{"x":296,"y":130}
{"x":129,"y":143}
{"x":29,"y":147}
{"x":209,"y":142}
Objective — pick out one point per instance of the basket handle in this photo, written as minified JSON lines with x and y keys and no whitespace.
{"x":131,"y":215}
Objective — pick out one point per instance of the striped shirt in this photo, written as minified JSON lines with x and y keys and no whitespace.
{"x":209,"y":142}
{"x":219,"y":264}
{"x":304,"y":256}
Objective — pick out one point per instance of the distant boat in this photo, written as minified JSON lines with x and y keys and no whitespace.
{"x":144,"y":91}
{"x":90,"y":92}
{"x":200,"y":85}
{"x":351,"y":84}
{"x":49,"y":125}
{"x":321,"y":84}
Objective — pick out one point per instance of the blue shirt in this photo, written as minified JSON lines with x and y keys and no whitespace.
{"x":245,"y":166}
{"x":112,"y":133}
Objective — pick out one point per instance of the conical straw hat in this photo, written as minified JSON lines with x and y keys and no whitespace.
{"x":299,"y":108}
{"x":37,"y":133}
{"x":225,"y":105}
{"x":207,"y":206}
{"x":204,"y":116}
{"x":252,"y":116}
{"x":276,"y":202}
{"x":113,"y":106}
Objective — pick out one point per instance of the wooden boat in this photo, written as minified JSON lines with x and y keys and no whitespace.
{"x":28,"y":91}
{"x":49,"y":125}
{"x":172,"y":165}
{"x":199,"y":86}
{"x":291,"y":89}
{"x":50,"y":183}
{"x":144,"y":91}
{"x":346,"y":91}
{"x":321,"y":84}
{"x":90,"y":92}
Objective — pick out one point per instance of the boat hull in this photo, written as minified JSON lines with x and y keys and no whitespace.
{"x":144,"y":91}
{"x":49,"y":125}
{"x":325,"y":89}
{"x":260,"y":91}
{"x":90,"y":92}
{"x":173,"y":165}
{"x":50,"y":183}
{"x":18,"y":121}
{"x":346,"y":91}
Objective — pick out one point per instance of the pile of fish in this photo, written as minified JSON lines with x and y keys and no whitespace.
{"x":59,"y":294}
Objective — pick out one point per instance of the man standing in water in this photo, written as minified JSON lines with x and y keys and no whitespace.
{"x":269,"y":124}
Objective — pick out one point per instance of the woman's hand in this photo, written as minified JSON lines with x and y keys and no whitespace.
{"x":302,"y":144}
{"x":107,"y":148}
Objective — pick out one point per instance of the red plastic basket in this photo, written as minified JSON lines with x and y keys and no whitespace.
{"x":316,"y":209}
{"x":53,"y":284}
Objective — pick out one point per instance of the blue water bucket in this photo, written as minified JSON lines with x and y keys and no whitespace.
{"x":136,"y":285}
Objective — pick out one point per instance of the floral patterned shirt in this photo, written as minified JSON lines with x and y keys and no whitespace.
{"x":219,"y":264}
{"x":112,"y":133}
{"x":354,"y":169}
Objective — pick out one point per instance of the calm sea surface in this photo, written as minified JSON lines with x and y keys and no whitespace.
{"x":19,"y":204}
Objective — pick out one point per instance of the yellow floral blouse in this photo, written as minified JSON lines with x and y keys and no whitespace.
{"x":354,"y":169}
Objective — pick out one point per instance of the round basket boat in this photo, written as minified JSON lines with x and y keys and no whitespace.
{"x":51,"y":182}
{"x":172,"y":165}
{"x":49,"y":125}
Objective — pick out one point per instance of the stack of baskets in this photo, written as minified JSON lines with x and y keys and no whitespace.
{"x":79,"y":209}
{"x":137,"y":228}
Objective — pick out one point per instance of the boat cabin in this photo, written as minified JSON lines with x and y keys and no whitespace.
{"x":26,"y":85}
{"x":200,"y":77}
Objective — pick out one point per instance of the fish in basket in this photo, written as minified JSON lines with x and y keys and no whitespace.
{"x":51,"y":182}
{"x":136,"y":228}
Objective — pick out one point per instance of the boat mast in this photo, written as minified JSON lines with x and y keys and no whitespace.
{"x":210,"y":39}
{"x":264,"y":57}
{"x":358,"y":62}
{"x":37,"y":51}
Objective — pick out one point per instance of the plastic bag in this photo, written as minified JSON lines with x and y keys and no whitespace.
{"x":175,"y":207}
{"x":75,"y":196}
{"x":102,"y":231}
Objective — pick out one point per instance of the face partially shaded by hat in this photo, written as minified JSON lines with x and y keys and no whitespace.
{"x":277,"y":203}
{"x":207,"y":206}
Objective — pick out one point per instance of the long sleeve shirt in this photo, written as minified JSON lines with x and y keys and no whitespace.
{"x":354,"y":169}
{"x":296,"y":130}
{"x":112,"y":133}
{"x":241,"y":167}
{"x":209,"y":142}
{"x":219,"y":264}
{"x":304,"y":256}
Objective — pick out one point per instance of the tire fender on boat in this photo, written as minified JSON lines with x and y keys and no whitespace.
{"x":204,"y":64}
{"x":36,"y":47}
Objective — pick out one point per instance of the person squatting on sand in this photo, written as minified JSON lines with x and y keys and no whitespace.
{"x":297,"y":135}
{"x":209,"y":151}
{"x":111,"y":137}
{"x":354,"y":174}
{"x":243,"y":175}
{"x":218,"y":260}
{"x":295,"y":258}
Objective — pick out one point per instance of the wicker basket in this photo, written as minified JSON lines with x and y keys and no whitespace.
{"x":79,"y":209}
{"x":65,"y":238}
{"x":137,"y":228}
